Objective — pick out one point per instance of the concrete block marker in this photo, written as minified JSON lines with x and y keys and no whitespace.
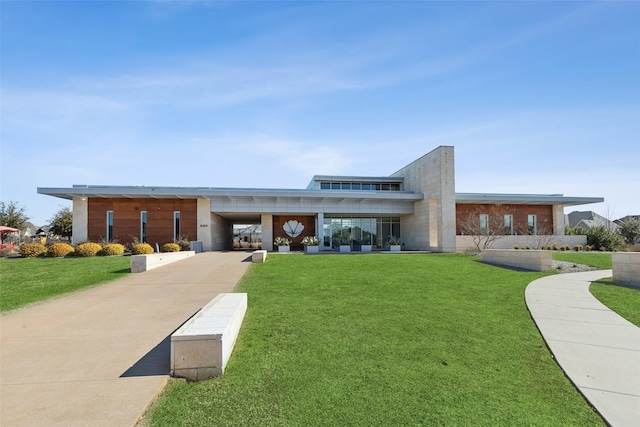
{"x":142,"y":263}
{"x":626,"y":268}
{"x":535,"y":260}
{"x":259,"y":256}
{"x":201,"y":348}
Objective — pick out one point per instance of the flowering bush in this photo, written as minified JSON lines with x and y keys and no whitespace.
{"x":311,"y":241}
{"x":58,"y":250}
{"x":112,"y":249}
{"x":141,"y":249}
{"x":32,"y":250}
{"x":282,"y":241}
{"x":88,"y":249}
{"x":170,"y":247}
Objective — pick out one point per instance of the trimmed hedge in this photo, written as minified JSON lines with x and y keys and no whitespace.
{"x":32,"y":250}
{"x":170,"y":247}
{"x":88,"y":249}
{"x":59,"y":250}
{"x":141,"y":249}
{"x":112,"y":249}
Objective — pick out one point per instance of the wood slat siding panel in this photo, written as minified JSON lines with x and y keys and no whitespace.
{"x":126,"y":218}
{"x":520,"y":214}
{"x":309,"y":223}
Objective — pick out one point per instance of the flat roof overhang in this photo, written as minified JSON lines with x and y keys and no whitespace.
{"x":523,"y":199}
{"x":130,"y":192}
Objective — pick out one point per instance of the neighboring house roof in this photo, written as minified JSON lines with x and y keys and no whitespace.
{"x":589,"y":219}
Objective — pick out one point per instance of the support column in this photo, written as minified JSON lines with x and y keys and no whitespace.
{"x":80,"y":222}
{"x":204,"y":224}
{"x":267,"y":231}
{"x":558,"y":220}
{"x":320,"y":229}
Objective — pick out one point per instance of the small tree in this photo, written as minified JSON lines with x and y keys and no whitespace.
{"x":62,"y":222}
{"x":484,"y":225}
{"x":12,"y":216}
{"x":629,"y":228}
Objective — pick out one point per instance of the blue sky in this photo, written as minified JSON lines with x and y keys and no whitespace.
{"x":536,"y":97}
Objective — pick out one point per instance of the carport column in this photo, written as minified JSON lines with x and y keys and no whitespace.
{"x":204,"y":224}
{"x":267,"y":231}
{"x":558,"y":220}
{"x":320,"y":229}
{"x":80,"y":222}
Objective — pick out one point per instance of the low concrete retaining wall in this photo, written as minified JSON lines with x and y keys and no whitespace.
{"x":259,"y":256}
{"x":626,"y":268}
{"x":141,"y":263}
{"x":525,"y":259}
{"x":465,"y":243}
{"x":200,"y":349}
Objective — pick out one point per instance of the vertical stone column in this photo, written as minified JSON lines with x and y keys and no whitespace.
{"x":320,"y":229}
{"x":266,"y":221}
{"x":204,"y":224}
{"x":80,"y":222}
{"x":558,"y":220}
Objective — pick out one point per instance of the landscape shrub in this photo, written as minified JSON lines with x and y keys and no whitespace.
{"x":58,"y":250}
{"x":527,"y":247}
{"x":88,"y":249}
{"x":589,"y":248}
{"x":516,"y":247}
{"x":565,"y":248}
{"x":170,"y":247}
{"x":183,"y":242}
{"x":602,"y":237}
{"x":141,"y":249}
{"x":112,"y":249}
{"x":577,"y":248}
{"x":32,"y":250}
{"x":554,"y":247}
{"x":603,"y":249}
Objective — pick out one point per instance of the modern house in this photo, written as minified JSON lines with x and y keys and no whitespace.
{"x":418,"y":203}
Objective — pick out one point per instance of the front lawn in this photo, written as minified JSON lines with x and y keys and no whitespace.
{"x":382,"y":340}
{"x":29,"y":280}
{"x":624,"y":301}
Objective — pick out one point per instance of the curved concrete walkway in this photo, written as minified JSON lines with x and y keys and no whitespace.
{"x":98,"y":357}
{"x":596,"y":348}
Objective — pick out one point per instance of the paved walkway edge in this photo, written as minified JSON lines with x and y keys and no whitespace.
{"x":598,"y":350}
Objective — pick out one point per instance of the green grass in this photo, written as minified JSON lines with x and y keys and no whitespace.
{"x":594,"y":259}
{"x":30,"y":280}
{"x":382,"y":340}
{"x":624,"y":301}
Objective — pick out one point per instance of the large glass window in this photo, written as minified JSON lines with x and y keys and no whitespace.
{"x":484,"y":224}
{"x":508,"y":224}
{"x":532,"y":224}
{"x":143,"y":226}
{"x":109,"y":234}
{"x":361,"y":186}
{"x":176,"y":226}
{"x":374,"y":231}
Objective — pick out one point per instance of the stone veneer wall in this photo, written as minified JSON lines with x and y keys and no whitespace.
{"x":221,"y":233}
{"x":525,"y":259}
{"x":433,"y":224}
{"x":266,"y":221}
{"x":626,"y":268}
